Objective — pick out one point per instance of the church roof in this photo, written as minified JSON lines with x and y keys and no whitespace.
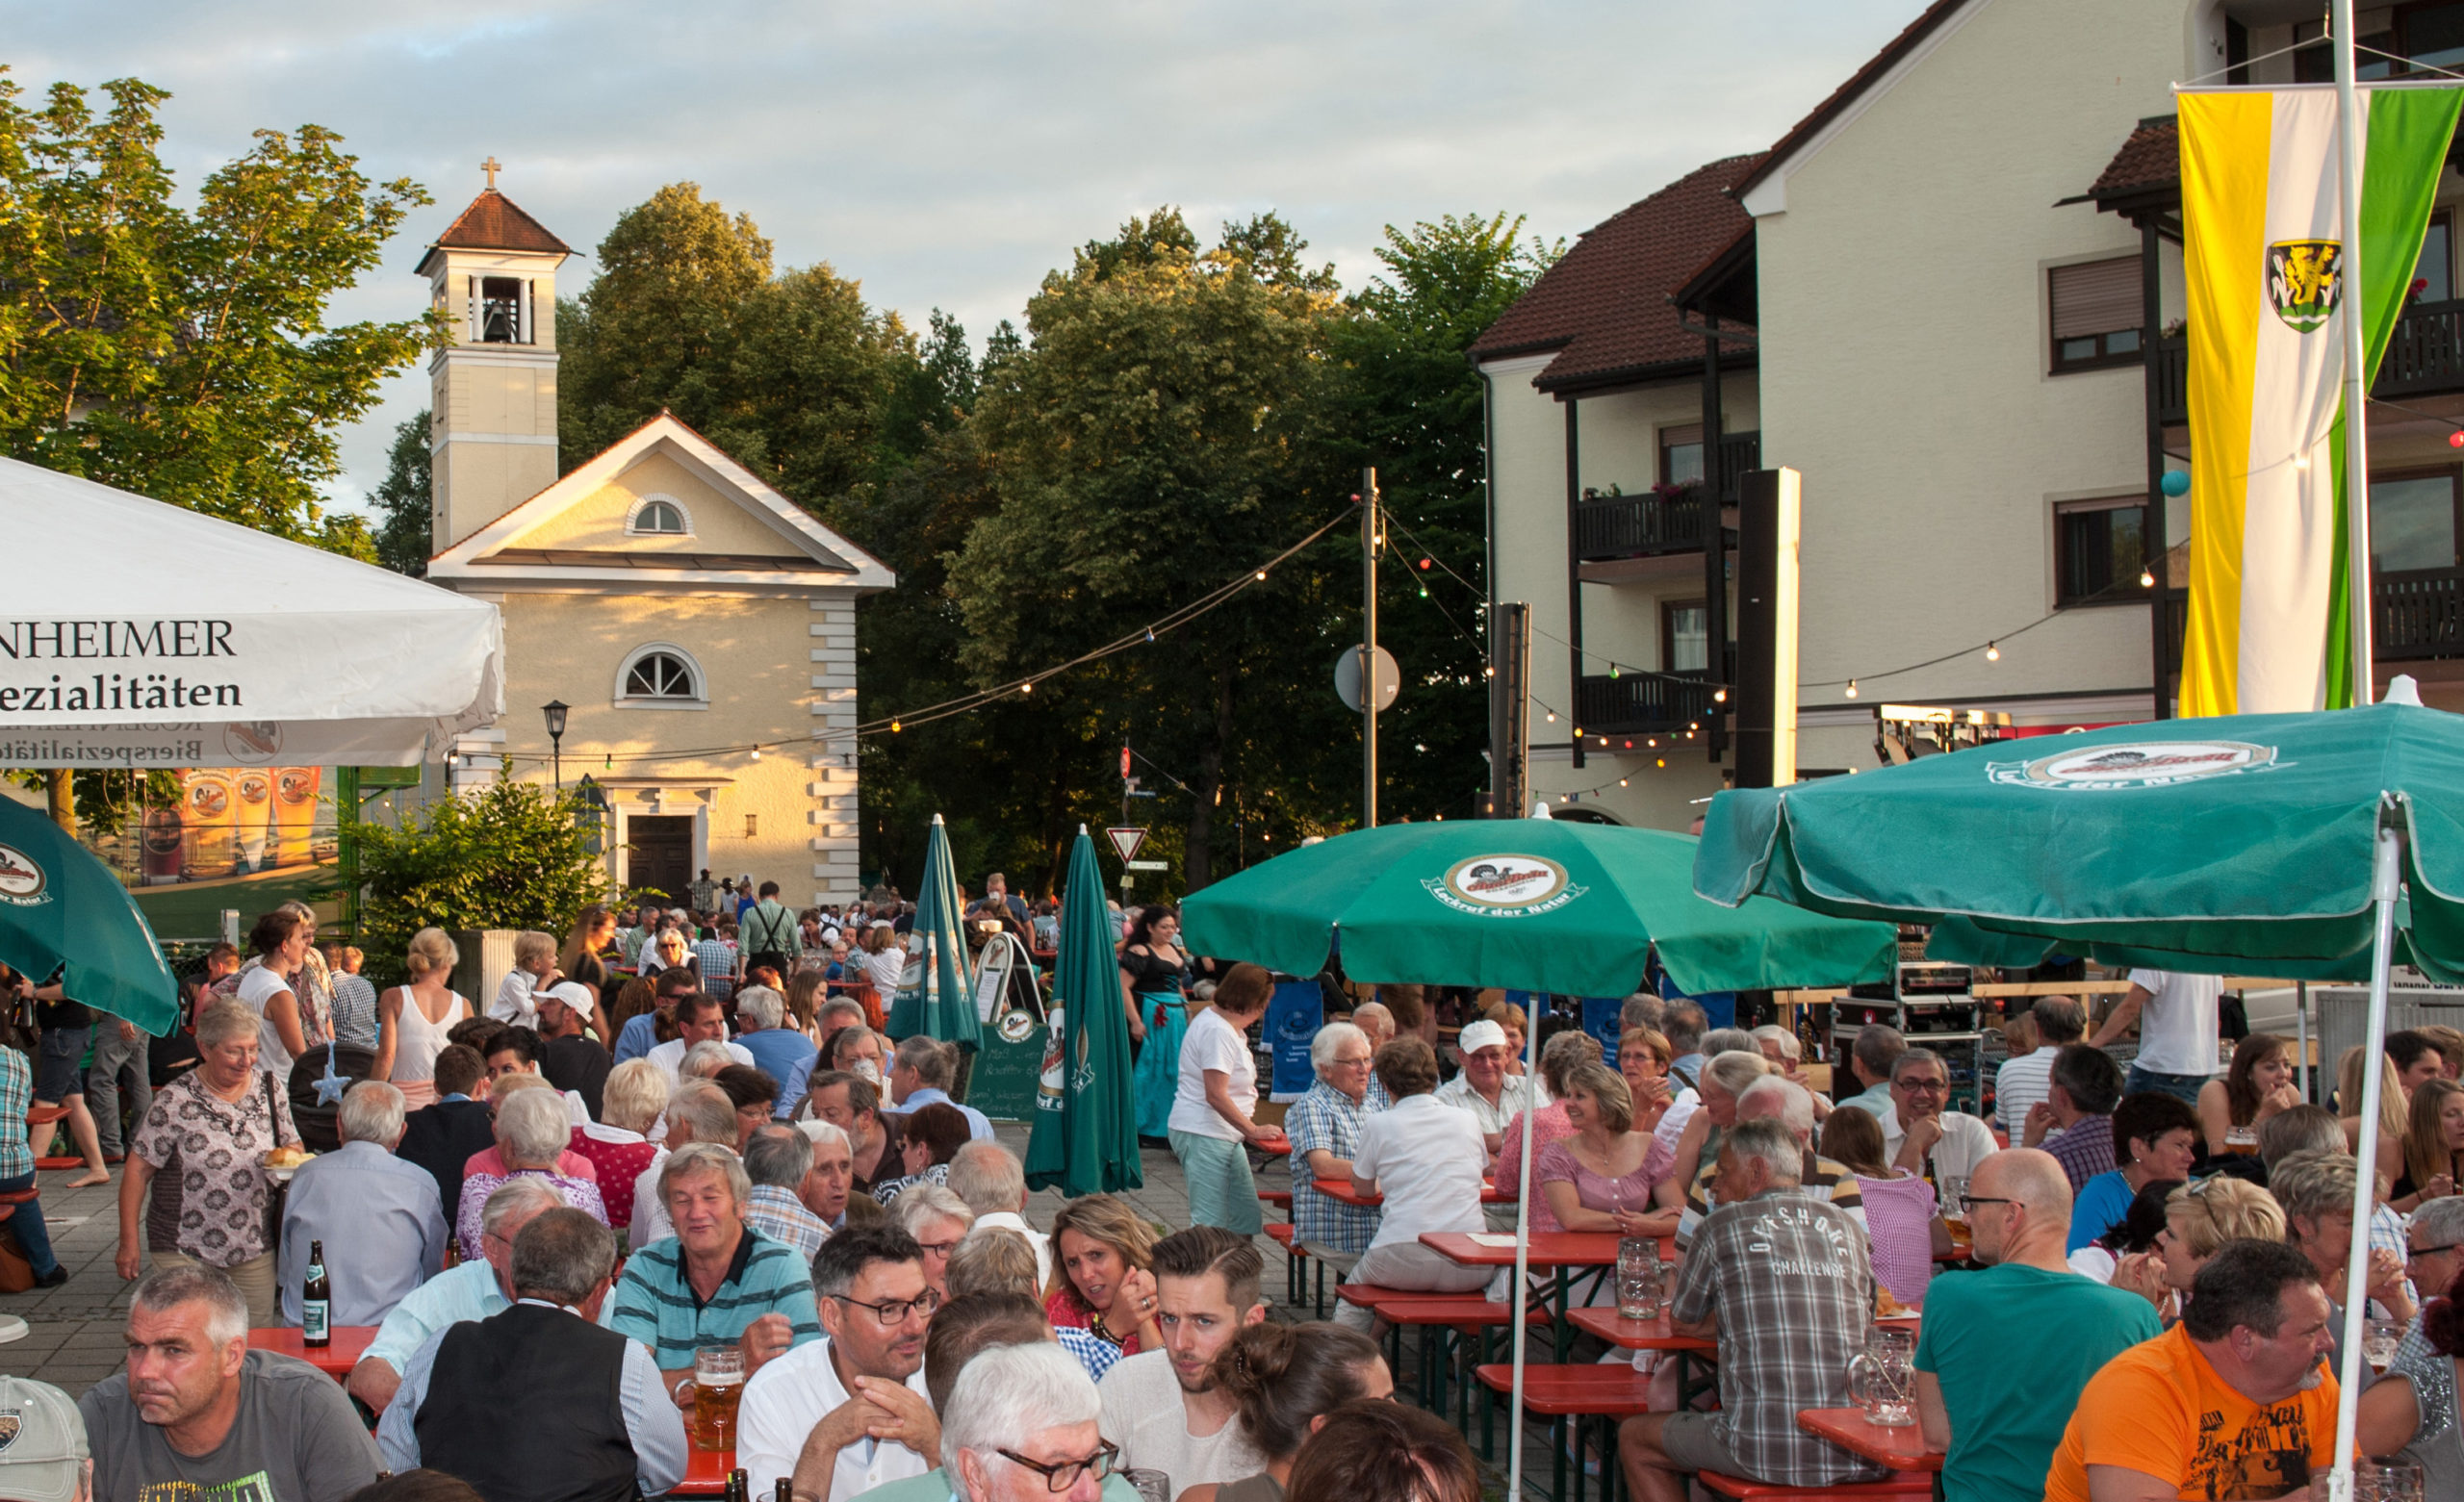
{"x":496,"y":222}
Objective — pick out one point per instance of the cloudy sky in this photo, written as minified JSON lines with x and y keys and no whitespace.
{"x":946,"y":153}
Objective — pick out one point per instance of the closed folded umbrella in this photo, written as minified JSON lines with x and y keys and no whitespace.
{"x":944,"y":1006}
{"x":1084,"y":1139}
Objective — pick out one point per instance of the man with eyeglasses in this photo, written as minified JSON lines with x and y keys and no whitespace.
{"x":851,"y":1411}
{"x":1324,"y":1128}
{"x":1024,"y":1427}
{"x":1995,"y":1403}
{"x":1922,"y":1137}
{"x":2434,"y":1246}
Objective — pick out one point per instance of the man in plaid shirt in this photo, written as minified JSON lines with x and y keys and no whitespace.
{"x":1324,"y":1128}
{"x":1782,"y":1283}
{"x":2078,"y":1110}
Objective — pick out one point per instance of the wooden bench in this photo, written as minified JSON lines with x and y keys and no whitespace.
{"x":1898,"y":1484}
{"x":1579,"y":1392}
{"x":1449,"y":1324}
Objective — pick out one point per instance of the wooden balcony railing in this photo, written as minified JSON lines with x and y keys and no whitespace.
{"x":1639,"y":703}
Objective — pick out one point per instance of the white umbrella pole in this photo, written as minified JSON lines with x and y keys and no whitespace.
{"x":2383,"y":883}
{"x":1516,"y":1296}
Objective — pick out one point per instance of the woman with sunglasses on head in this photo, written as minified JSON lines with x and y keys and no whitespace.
{"x":2199,"y":1219}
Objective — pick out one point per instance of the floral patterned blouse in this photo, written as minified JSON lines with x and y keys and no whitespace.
{"x":210,"y":1187}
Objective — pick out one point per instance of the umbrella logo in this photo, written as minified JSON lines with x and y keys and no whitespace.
{"x":21,"y":879}
{"x":1504,"y":886}
{"x":253,"y":742}
{"x":2142,"y":764}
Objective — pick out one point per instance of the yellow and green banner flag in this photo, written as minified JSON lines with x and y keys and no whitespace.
{"x":2271,"y":601}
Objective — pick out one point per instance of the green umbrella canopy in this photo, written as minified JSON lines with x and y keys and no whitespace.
{"x":1090,"y":1144}
{"x":944,"y":1006}
{"x":2193,"y":845}
{"x":1539,"y":903}
{"x":59,"y":906}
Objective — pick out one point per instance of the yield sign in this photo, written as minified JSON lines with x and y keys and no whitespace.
{"x":1126,"y":839}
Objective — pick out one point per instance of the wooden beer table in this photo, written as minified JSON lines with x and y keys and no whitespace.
{"x":1899,"y":1446}
{"x":1560,"y":1252}
{"x":705,"y":1471}
{"x":350,"y":1344}
{"x":1341,"y":1191}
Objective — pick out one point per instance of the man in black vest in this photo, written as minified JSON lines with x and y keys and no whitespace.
{"x":598,"y":1423}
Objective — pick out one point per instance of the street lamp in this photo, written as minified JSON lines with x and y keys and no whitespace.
{"x":555,"y":710}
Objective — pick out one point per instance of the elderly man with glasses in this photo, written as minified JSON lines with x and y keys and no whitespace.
{"x":1024,"y":1428}
{"x":1998,"y":1405}
{"x":1922,"y":1137}
{"x":1324,"y":1128}
{"x":2434,"y":1246}
{"x":851,"y":1411}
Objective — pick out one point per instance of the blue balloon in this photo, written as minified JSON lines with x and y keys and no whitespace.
{"x":2176,"y":482}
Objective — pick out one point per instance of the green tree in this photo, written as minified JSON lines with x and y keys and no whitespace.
{"x":505,"y":856}
{"x":403,"y":501}
{"x":184,"y":353}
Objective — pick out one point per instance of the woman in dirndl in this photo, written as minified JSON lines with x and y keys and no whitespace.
{"x":1154,"y":974}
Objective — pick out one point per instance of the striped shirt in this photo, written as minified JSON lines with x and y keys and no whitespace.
{"x":17,"y":1095}
{"x":655,"y":1303}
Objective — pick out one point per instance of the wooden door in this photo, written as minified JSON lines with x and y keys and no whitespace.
{"x":660,"y":855}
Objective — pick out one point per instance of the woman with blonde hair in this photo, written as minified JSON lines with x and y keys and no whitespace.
{"x":2392,"y":1118}
{"x":1559,"y":1058}
{"x":1103,"y":1280}
{"x":414,"y":1021}
{"x":1600,"y":1177}
{"x":2433,"y":1146}
{"x":618,"y":1143}
{"x":2199,"y":1219}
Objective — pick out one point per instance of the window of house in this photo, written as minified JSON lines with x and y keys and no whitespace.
{"x":2431,"y":33}
{"x":664,"y":518}
{"x":2435,"y":273}
{"x":2097,"y":313}
{"x":1685,"y":636}
{"x":1680,"y":455}
{"x":2099,"y":550}
{"x":500,"y":310}
{"x":659,"y":674}
{"x":2316,"y":61}
{"x":2412,"y":521}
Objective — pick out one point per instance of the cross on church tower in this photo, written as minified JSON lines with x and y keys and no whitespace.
{"x":492,"y":167}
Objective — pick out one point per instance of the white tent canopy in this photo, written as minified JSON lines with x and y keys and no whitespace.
{"x":138,"y":634}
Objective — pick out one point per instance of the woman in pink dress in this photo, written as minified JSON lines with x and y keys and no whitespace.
{"x":1558,"y":1057}
{"x":1601,"y":1177}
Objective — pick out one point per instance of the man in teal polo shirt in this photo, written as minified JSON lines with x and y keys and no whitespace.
{"x":2003,"y":1353}
{"x":717,"y":1281}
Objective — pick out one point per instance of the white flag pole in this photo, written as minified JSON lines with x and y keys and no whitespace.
{"x":2348,"y":143}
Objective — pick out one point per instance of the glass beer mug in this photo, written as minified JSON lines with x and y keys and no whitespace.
{"x":1638,"y":1277}
{"x":1882,"y":1379}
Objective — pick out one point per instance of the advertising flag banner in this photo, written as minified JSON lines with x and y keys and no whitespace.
{"x":2266,"y":273}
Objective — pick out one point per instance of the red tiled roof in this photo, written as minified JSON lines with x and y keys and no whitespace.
{"x":1847,"y":93}
{"x":496,"y":222}
{"x":1604,"y":305}
{"x":2150,"y":159}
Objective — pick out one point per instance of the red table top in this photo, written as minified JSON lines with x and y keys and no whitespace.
{"x":1635,"y":1334}
{"x":1549,"y":1249}
{"x":1280,"y":1147}
{"x":1341,"y":1191}
{"x":706,"y":1473}
{"x":350,"y":1344}
{"x":1901,"y":1447}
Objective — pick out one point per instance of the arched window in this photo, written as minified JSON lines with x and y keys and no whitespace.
{"x":659,"y":675}
{"x":659,"y":516}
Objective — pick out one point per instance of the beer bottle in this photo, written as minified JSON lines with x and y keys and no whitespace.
{"x":786,"y":1489}
{"x":317,"y":1300}
{"x":739,"y":1485}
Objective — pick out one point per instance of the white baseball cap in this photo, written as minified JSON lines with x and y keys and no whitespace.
{"x":573,"y":994}
{"x":1480,"y":1035}
{"x":42,"y":1442}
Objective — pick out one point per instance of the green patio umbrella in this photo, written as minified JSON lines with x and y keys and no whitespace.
{"x":2326,"y":844}
{"x":59,"y":906}
{"x":1084,"y":1136}
{"x":1534,"y":903}
{"x":1539,"y":905}
{"x":944,"y":1006}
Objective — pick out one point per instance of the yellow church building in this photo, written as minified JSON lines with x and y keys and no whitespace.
{"x":697,"y":627}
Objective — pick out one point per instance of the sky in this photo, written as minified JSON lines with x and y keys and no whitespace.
{"x":947,"y":153}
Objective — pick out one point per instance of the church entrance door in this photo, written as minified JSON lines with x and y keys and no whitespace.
{"x":660,"y":855}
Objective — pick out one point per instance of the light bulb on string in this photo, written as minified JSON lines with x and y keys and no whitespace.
{"x":1660,"y":761}
{"x":1993,"y":652}
{"x":1028,"y":687}
{"x":1553,"y":716}
{"x":1719,"y":695}
{"x":2455,"y":440}
{"x":757,"y":753}
{"x":1852,"y":688}
{"x":1151,"y":635}
{"x":2147,"y":576}
{"x":1613,"y":671}
{"x":1621,"y":781}
{"x":1261,"y":574}
{"x":893,"y":727}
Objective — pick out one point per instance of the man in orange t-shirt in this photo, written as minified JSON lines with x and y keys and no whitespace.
{"x":2231,"y":1405}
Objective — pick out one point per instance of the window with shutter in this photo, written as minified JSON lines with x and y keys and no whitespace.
{"x":2096,"y":311}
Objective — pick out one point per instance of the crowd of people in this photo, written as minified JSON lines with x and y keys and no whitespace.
{"x":677,"y":1151}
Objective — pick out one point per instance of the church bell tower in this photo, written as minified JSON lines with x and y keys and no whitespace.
{"x":492,"y":423}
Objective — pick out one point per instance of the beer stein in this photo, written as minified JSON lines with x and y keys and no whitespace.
{"x":1882,"y":1379}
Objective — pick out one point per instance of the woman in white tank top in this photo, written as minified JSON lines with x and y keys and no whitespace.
{"x":413,"y":1021}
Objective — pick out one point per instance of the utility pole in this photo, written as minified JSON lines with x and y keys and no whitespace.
{"x":1369,"y":529}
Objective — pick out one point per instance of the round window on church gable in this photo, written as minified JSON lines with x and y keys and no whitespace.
{"x":658,"y":516}
{"x":659,"y":677}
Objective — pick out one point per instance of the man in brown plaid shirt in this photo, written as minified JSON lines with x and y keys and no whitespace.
{"x":1782,"y":1279}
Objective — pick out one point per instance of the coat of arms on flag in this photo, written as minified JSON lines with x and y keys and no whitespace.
{"x":2305,"y":281}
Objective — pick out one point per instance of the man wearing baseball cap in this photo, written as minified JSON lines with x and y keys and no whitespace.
{"x":1485,"y":1088}
{"x":566,"y":1059}
{"x":43,"y":1444}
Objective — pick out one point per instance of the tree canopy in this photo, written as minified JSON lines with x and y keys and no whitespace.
{"x":184,"y":353}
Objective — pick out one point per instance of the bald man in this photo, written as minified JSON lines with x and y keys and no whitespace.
{"x":1998,"y":1405}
